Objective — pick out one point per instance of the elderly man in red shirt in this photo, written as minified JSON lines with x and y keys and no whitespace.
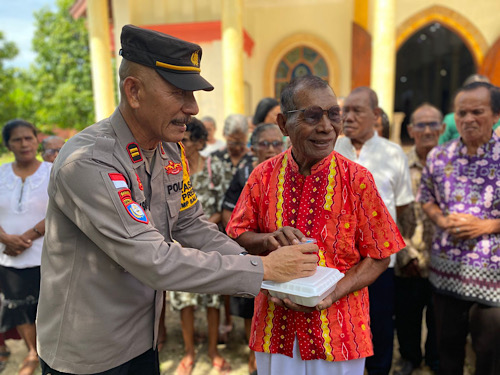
{"x":310,"y":190}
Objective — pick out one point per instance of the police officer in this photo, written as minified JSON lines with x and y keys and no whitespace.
{"x":123,"y":223}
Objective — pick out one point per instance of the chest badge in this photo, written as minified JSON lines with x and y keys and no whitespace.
{"x":139,"y":182}
{"x":134,"y":152}
{"x":173,"y":168}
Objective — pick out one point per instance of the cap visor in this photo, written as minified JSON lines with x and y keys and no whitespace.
{"x":186,"y":81}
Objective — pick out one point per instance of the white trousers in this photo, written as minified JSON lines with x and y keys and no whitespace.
{"x":279,"y":364}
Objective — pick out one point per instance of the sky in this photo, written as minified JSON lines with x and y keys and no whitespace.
{"x":17,"y":25}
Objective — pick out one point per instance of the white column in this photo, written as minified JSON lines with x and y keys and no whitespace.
{"x":100,"y":55}
{"x":121,"y":17}
{"x":383,"y":68}
{"x":232,"y":56}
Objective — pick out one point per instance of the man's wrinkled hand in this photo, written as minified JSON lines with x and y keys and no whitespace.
{"x":289,"y":304}
{"x":283,"y":237}
{"x":290,"y":262}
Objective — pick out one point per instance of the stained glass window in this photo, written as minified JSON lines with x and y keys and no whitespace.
{"x":298,"y":62}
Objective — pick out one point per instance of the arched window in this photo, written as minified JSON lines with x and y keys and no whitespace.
{"x":298,"y":62}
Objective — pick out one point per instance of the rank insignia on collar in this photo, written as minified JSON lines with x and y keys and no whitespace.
{"x":134,"y":152}
{"x":173,"y":168}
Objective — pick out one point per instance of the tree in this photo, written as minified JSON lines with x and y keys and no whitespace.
{"x":60,"y":77}
{"x":8,"y":50}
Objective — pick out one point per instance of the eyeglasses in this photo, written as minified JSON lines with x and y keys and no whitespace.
{"x":51,"y":151}
{"x":266,"y":144}
{"x":433,"y":125}
{"x":314,"y":114}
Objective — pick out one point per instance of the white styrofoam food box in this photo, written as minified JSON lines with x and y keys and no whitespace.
{"x":306,"y":291}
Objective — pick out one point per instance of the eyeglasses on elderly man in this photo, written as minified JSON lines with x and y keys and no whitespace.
{"x":313,"y":114}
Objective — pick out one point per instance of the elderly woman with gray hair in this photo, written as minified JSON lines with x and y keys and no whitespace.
{"x":225,"y":163}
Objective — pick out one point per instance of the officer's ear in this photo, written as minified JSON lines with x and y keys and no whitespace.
{"x":132,"y":88}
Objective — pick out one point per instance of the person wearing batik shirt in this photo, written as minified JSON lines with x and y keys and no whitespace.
{"x":460,"y":192}
{"x":312,"y":191}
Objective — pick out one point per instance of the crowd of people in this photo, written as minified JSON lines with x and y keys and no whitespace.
{"x":149,"y":205}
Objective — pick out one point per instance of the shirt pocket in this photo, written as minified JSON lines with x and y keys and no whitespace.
{"x":173,"y":194}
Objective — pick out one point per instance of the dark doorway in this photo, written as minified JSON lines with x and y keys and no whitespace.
{"x":430,"y":66}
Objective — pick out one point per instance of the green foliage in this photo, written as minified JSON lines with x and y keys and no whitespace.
{"x":56,"y":91}
{"x":8,"y":50}
{"x":61,"y":74}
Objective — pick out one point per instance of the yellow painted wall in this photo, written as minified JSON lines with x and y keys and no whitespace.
{"x":211,"y":103}
{"x":270,"y":22}
{"x":174,"y":11}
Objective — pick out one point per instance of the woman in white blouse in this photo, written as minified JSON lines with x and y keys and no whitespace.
{"x":23,"y":203}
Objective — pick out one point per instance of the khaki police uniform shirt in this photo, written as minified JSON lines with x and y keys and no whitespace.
{"x":109,"y":249}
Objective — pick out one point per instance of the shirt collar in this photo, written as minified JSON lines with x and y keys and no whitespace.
{"x":314,"y":169}
{"x":481,"y":150}
{"x":413,"y":159}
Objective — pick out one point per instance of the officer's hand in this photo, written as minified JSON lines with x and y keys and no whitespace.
{"x":283,"y":237}
{"x":290,"y":262}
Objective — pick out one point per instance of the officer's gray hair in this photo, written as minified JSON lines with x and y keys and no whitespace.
{"x":127,"y":69}
{"x":235,"y":124}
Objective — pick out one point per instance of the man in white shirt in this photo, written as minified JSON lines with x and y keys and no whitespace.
{"x":389,"y":166}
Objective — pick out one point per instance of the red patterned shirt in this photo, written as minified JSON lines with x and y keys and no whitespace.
{"x":339,"y":206}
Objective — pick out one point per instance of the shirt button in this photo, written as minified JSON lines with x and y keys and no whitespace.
{"x":254,"y":263}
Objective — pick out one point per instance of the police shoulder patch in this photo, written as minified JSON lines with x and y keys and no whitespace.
{"x":134,"y":209}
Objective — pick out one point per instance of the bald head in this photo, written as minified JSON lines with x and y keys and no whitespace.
{"x":425,"y":128}
{"x":427,"y":107}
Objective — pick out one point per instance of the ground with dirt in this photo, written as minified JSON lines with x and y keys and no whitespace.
{"x":235,"y":351}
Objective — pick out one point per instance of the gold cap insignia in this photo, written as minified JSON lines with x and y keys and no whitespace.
{"x":195,"y":59}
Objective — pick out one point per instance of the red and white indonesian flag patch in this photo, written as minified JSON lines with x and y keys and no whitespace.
{"x":118,"y":180}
